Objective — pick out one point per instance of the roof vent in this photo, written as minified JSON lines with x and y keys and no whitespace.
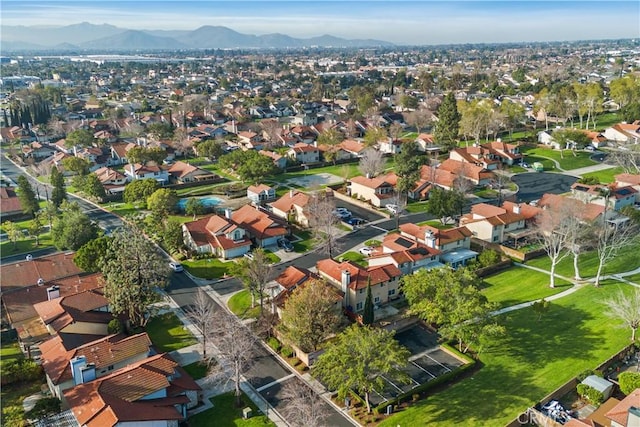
{"x":40,"y":281}
{"x":29,"y":257}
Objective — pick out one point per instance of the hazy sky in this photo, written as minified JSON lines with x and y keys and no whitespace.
{"x":401,"y":22}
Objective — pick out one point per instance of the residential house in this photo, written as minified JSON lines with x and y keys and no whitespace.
{"x":507,"y":153}
{"x":629,"y":180}
{"x":379,"y":191}
{"x":138,"y":171}
{"x":250,"y":140}
{"x":37,"y":151}
{"x":155,"y":391}
{"x":615,"y":198}
{"x":406,"y":255}
{"x":293,"y":278}
{"x":352,"y":280}
{"x":304,"y":153}
{"x":426,"y":143}
{"x":627,"y":412}
{"x":279,"y":161}
{"x":454,"y":243}
{"x":106,"y":354}
{"x":292,"y":207}
{"x":353,"y":147}
{"x":15,"y":133}
{"x":183,"y":173}
{"x":262,"y":193}
{"x":10,"y":206}
{"x":119,"y":152}
{"x":85,"y":313}
{"x":262,"y":227}
{"x":218,"y":235}
{"x":493,"y":224}
{"x":390,"y":146}
{"x":477,"y":155}
{"x":624,"y":133}
{"x":479,"y":175}
{"x":112,"y":180}
{"x":430,"y":176}
{"x":587,"y":212}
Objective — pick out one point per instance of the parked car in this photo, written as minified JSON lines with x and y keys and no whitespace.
{"x":248,"y":255}
{"x":394,"y":209}
{"x":285,"y":244}
{"x":176,"y":266}
{"x":525,"y":165}
{"x":353,"y":221}
{"x":366,"y":251}
{"x":342,"y":213}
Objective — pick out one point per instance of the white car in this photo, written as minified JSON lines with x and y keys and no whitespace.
{"x":394,"y":209}
{"x":366,"y":251}
{"x":176,"y":266}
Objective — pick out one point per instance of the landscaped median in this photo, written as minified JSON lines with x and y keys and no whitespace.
{"x":534,"y":358}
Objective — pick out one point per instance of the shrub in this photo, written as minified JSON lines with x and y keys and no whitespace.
{"x":114,"y":326}
{"x":287,"y":351}
{"x":590,"y":394}
{"x":488,"y":257}
{"x":13,"y":416}
{"x":629,"y":381}
{"x":23,"y":370}
{"x":274,"y":344}
{"x":584,"y":374}
{"x":44,"y":408}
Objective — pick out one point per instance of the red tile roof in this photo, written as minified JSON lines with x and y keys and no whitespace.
{"x":620,"y":412}
{"x":80,"y":307}
{"x":291,"y":199}
{"x":258,"y":223}
{"x":22,"y":274}
{"x":9,"y":201}
{"x":359,"y":276}
{"x":443,"y":237}
{"x":628,"y":179}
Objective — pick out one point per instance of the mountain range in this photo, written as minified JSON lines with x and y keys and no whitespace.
{"x":105,"y":37}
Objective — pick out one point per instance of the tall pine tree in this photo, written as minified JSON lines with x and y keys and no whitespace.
{"x":27,"y":196}
{"x":367,"y":314}
{"x":59,"y":192}
{"x":448,"y":124}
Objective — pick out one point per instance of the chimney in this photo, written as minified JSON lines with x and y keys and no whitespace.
{"x":77,"y":363}
{"x":227,"y":213}
{"x":430,"y":239}
{"x":345,"y":279}
{"x":368,"y":175}
{"x":516,"y":209}
{"x":291,"y":194}
{"x":499,"y":139}
{"x":53,"y":292}
{"x":40,"y":281}
{"x":88,"y":373}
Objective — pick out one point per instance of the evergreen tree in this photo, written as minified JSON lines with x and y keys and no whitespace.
{"x":448,"y":124}
{"x":59,"y":193}
{"x":27,"y":196}
{"x":367,"y":314}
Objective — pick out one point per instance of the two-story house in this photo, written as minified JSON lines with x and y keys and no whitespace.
{"x":405,"y":254}
{"x":292,"y":207}
{"x":112,"y":180}
{"x":107,"y":354}
{"x":278,"y":160}
{"x":352,"y":280}
{"x":479,"y":175}
{"x":629,"y":180}
{"x":262,"y":193}
{"x":262,"y":227}
{"x":218,"y":235}
{"x":613,"y":197}
{"x":304,"y":153}
{"x":379,"y":191}
{"x":454,"y":243}
{"x":293,"y":278}
{"x":492,"y":223}
{"x":138,"y":171}
{"x":155,"y":391}
{"x":624,"y":133}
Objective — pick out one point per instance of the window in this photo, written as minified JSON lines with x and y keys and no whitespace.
{"x":495,"y":238}
{"x":382,"y":285}
{"x":359,"y":306}
{"x":376,"y":300}
{"x":391,"y":292}
{"x":361,"y":291}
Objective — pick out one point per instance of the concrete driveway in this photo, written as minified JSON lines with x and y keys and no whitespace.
{"x":533,"y":185}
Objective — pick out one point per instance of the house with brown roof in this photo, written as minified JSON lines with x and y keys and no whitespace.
{"x":629,"y":180}
{"x":379,"y":190}
{"x":492,"y":223}
{"x":292,"y":207}
{"x":119,"y":152}
{"x":112,"y":180}
{"x":182,"y":173}
{"x":352,"y":280}
{"x":454,"y":243}
{"x":427,"y":144}
{"x":405,"y":254}
{"x":615,"y":197}
{"x":624,"y":133}
{"x":37,"y":151}
{"x":262,"y":227}
{"x":587,"y":212}
{"x":479,"y":175}
{"x":155,"y":391}
{"x":262,"y":193}
{"x":149,"y":171}
{"x":10,"y":206}
{"x":293,"y":278}
{"x":304,"y":153}
{"x":627,"y":412}
{"x":353,"y":147}
{"x":278,"y":160}
{"x":218,"y":235}
{"x":106,"y":354}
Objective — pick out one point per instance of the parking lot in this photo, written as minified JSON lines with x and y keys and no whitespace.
{"x":427,"y":362}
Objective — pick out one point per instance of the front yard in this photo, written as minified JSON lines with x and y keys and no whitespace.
{"x":533,"y":359}
{"x":570,"y":161}
{"x":207,"y":268}
{"x":225,"y":414}
{"x":167,"y":333}
{"x":240,"y":305}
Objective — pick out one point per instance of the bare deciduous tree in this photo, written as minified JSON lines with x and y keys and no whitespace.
{"x":254,"y":273}
{"x":628,"y":160}
{"x":303,"y":407}
{"x":324,"y":223}
{"x":419,"y":119}
{"x":610,"y":240}
{"x":372,"y":162}
{"x":273,"y":129}
{"x":395,"y":130}
{"x":553,"y":235}
{"x":626,"y":308}
{"x":201,"y":314}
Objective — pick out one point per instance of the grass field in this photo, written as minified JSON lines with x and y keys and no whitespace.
{"x":580,"y":160}
{"x":355,"y":257}
{"x":240,"y":305}
{"x":605,"y":176}
{"x":10,"y":351}
{"x":519,"y":284}
{"x":304,"y":245}
{"x":534,"y":358}
{"x":197,"y":370}
{"x":546,"y":163}
{"x":208,"y":268}
{"x":168,"y":333}
{"x":225,"y":413}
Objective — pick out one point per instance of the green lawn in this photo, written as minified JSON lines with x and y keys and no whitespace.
{"x":546,"y":163}
{"x":355,"y":257}
{"x":605,"y":176}
{"x":240,"y":305}
{"x":121,"y":209}
{"x":519,"y":284}
{"x":208,"y":268}
{"x":635,"y":278}
{"x":10,"y":351}
{"x":580,"y":160}
{"x":25,"y":245}
{"x":416,"y":207}
{"x":533,"y":359}
{"x":168,"y":333}
{"x":304,"y":245}
{"x":435,"y":223}
{"x":271,"y":257}
{"x":197,"y":370}
{"x":626,"y":260}
{"x":225,"y":413}
{"x":337,"y":170}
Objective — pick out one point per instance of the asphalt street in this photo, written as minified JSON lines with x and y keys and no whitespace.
{"x":533,"y":185}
